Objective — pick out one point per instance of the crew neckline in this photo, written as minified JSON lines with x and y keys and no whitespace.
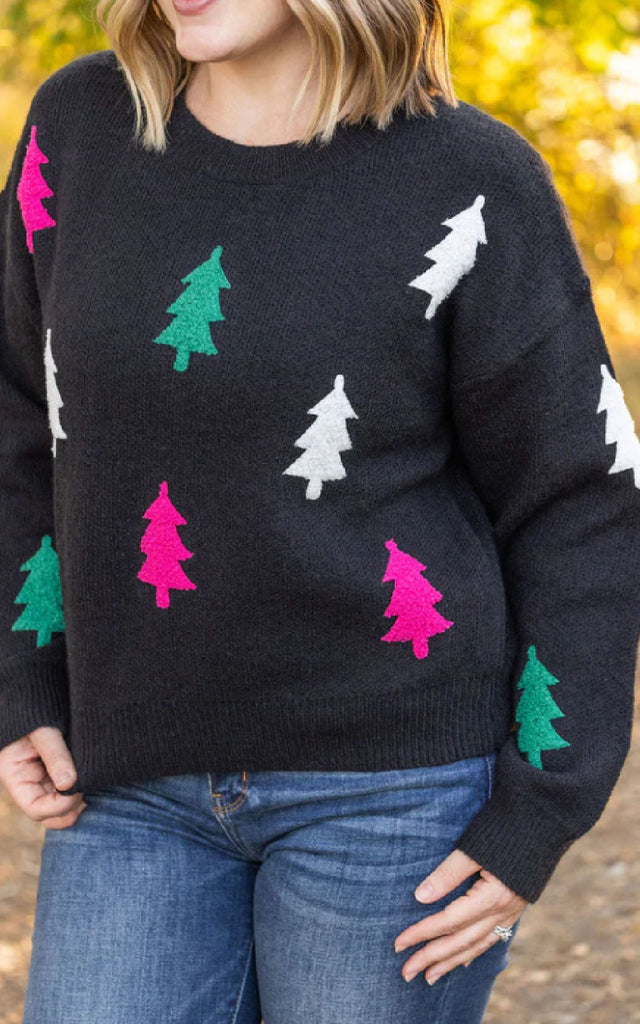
{"x":189,"y":138}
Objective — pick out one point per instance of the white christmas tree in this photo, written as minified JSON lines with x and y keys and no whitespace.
{"x":620,"y":428}
{"x":324,"y":440}
{"x":454,"y":256}
{"x":54,"y":401}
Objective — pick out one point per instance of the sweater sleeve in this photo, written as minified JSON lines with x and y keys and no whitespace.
{"x":33,"y":673}
{"x":550,"y":446}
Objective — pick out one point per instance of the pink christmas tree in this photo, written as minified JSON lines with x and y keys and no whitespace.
{"x":412,"y":601}
{"x":164,"y":549}
{"x":32,"y":189}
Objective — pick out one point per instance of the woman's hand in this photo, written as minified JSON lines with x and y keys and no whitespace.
{"x":467,"y":922}
{"x":30,"y":770}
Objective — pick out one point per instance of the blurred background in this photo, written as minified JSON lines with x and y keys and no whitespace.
{"x":567,"y":76}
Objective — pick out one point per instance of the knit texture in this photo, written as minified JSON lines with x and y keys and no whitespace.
{"x":313,"y":458}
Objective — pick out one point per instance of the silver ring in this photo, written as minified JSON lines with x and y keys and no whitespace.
{"x":504,"y":933}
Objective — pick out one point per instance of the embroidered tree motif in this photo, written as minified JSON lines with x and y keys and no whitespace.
{"x":54,"y":401}
{"x":194,"y":310}
{"x":41,"y":592}
{"x":412,"y":601}
{"x":32,"y":189}
{"x":620,"y":428}
{"x":535,"y":709}
{"x":164,"y":549}
{"x":324,"y":440}
{"x":454,"y":256}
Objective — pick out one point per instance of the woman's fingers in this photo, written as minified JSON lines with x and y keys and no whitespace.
{"x":32,"y":790}
{"x":31,"y":768}
{"x":464,"y":929}
{"x":65,"y":820}
{"x":485,"y":897}
{"x":443,"y":966}
{"x":455,"y":948}
{"x":474,"y":905}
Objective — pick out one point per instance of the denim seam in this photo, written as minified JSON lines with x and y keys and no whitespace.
{"x":234,"y":1016}
{"x":448,"y":978}
{"x":231,"y":834}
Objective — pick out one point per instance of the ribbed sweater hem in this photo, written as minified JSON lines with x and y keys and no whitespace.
{"x":361,"y":733}
{"x":33,"y":692}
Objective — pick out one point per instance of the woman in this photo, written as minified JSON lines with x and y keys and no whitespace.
{"x":315,"y":349}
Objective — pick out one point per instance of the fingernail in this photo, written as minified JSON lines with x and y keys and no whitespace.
{"x":410,"y":977}
{"x":433,"y":978}
{"x":424,"y":891}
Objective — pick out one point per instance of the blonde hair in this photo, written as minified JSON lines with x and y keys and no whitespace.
{"x":371,"y":56}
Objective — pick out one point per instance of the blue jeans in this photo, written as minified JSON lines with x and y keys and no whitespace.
{"x":220,"y":898}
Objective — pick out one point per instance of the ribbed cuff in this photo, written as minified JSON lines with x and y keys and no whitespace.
{"x":517,"y":841}
{"x":33,"y":692}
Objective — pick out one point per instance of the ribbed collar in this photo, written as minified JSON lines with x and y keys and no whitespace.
{"x":189,"y":139}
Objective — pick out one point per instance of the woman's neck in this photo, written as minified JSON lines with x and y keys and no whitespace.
{"x":249,"y":100}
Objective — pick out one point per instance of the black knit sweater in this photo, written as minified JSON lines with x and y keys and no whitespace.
{"x":313,"y":458}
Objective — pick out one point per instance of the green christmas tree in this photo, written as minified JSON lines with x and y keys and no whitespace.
{"x":535,"y":708}
{"x":41,"y":592}
{"x":194,"y":310}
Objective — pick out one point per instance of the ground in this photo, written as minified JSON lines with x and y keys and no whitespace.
{"x":575,"y":959}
